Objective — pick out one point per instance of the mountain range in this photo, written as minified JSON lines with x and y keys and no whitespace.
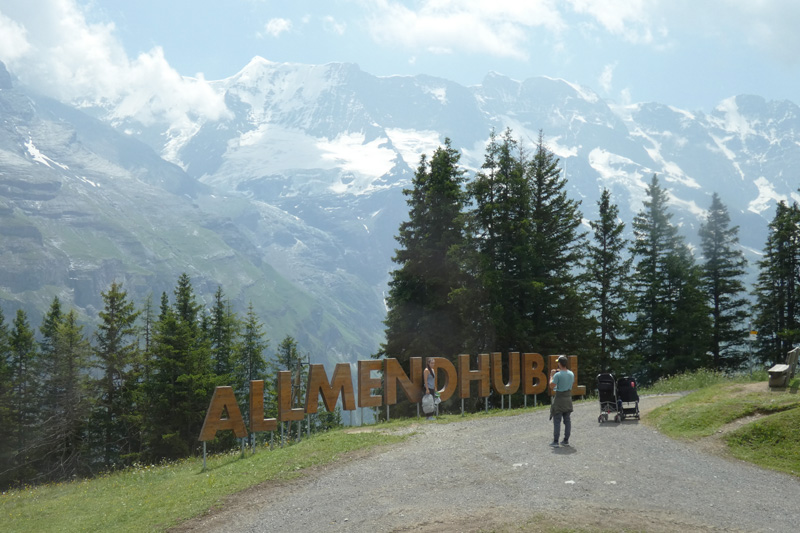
{"x":291,"y":198}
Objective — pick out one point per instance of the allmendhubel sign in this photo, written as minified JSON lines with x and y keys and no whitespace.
{"x":526,"y":371}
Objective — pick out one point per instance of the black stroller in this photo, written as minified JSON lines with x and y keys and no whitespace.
{"x":627,"y":398}
{"x":607,"y":389}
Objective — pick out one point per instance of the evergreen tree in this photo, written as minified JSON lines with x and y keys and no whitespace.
{"x":115,"y":351}
{"x":419,"y":306}
{"x":527,"y":253}
{"x":24,"y":405}
{"x":149,"y":321}
{"x":249,"y":362}
{"x":49,"y":362}
{"x":497,"y":306}
{"x":723,"y":269}
{"x":560,"y":323}
{"x":48,"y":329}
{"x":608,"y":291}
{"x":671,"y":315}
{"x":223,"y":333}
{"x":777,"y":290}
{"x":287,"y":357}
{"x":181,"y":383}
{"x":6,"y":405}
{"x":67,"y":391}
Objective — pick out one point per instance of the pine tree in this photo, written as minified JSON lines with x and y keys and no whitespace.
{"x":723,"y":269}
{"x":419,"y":306}
{"x":560,"y":323}
{"x":181,"y":382}
{"x":223,"y":332}
{"x":249,"y":361}
{"x":671,"y":315}
{"x":6,"y":403}
{"x":777,"y":290}
{"x":24,"y":405}
{"x":48,"y":329}
{"x":526,"y":255}
{"x":608,"y":286}
{"x":49,"y":362}
{"x":115,"y":352}
{"x":498,"y":305}
{"x":287,"y":357}
{"x":64,"y":435}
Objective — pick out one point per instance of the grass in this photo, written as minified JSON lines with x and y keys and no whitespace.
{"x":772,"y":442}
{"x":771,"y":439}
{"x":700,"y":379}
{"x":153,"y":498}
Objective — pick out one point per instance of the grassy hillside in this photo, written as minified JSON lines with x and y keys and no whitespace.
{"x":155,"y":497}
{"x":756,"y":424}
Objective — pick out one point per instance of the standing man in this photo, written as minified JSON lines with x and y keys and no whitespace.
{"x":561,"y":381}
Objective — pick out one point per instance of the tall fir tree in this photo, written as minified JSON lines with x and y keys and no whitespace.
{"x":24,"y":398}
{"x":6,"y":405}
{"x":65,"y":433}
{"x":527,"y":252}
{"x":777,"y":289}
{"x":181,"y":382}
{"x":671,"y":321}
{"x":497,"y":306}
{"x":249,"y":362}
{"x":115,"y":353}
{"x":49,"y":361}
{"x":421,"y":320}
{"x":287,"y":357}
{"x":723,"y":268}
{"x":560,"y":322}
{"x":223,"y":333}
{"x":608,"y":291}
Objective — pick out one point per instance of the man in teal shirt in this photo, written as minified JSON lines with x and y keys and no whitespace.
{"x":561,"y":381}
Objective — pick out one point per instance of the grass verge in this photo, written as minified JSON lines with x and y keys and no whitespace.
{"x":771,"y":439}
{"x":772,"y":442}
{"x":153,"y":498}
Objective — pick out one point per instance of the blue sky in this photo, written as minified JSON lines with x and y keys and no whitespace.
{"x":686,"y":53}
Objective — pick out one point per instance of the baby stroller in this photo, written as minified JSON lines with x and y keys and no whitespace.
{"x":627,"y":398}
{"x":607,"y":389}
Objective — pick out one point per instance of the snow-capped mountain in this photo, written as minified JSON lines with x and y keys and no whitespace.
{"x":298,"y":133}
{"x":304,"y":173}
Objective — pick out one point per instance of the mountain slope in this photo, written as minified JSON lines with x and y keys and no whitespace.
{"x":82,"y":205}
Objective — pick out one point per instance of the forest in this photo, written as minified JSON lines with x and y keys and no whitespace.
{"x":506,"y":262}
{"x":501,"y":262}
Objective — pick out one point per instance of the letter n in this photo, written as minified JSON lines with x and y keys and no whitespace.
{"x":393,"y":374}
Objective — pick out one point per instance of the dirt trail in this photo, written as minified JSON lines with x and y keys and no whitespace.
{"x":499,"y":474}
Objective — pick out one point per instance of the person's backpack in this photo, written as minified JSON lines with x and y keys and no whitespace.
{"x":427,"y":404}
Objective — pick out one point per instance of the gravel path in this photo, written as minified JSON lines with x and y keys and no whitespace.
{"x":500,"y":473}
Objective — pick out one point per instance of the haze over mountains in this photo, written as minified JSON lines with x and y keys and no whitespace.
{"x":291,"y":197}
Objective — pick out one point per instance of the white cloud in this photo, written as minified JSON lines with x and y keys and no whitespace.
{"x":62,"y":55}
{"x":506,"y":28}
{"x":630,"y":19}
{"x":331,"y":25}
{"x":498,"y":28}
{"x":277,"y":26}
{"x":606,"y":77}
{"x":13,"y":41}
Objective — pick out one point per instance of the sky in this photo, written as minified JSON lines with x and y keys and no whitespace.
{"x":689,"y":54}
